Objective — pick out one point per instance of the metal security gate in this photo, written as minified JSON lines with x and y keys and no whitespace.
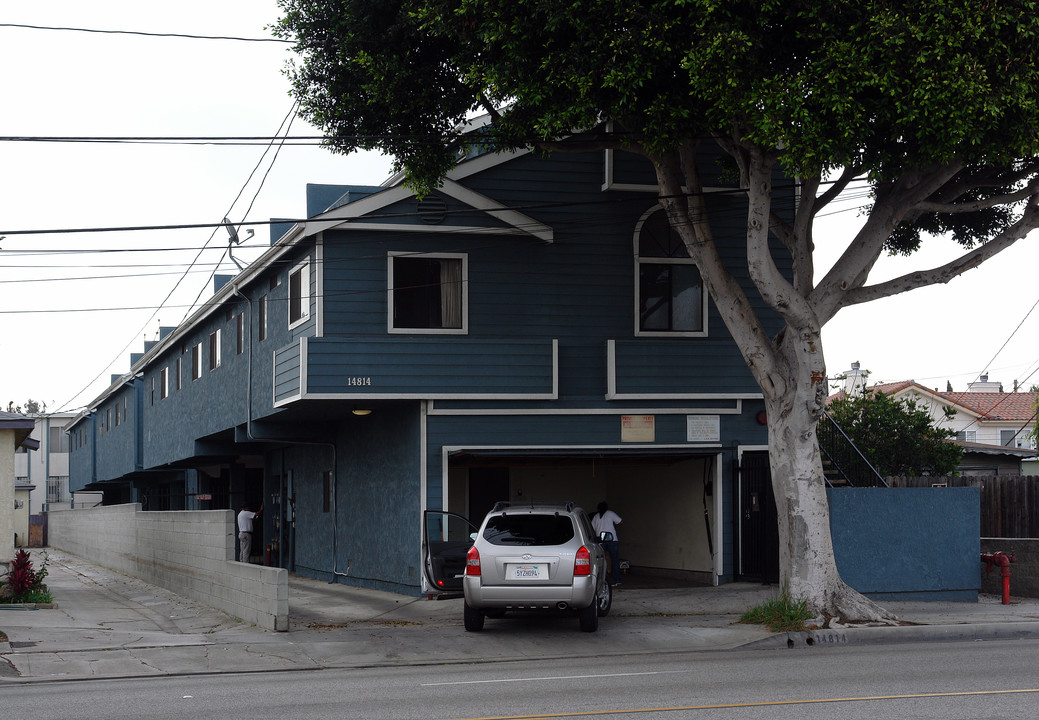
{"x":758,"y":523}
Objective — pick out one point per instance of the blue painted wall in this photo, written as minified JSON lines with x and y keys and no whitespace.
{"x":908,"y":543}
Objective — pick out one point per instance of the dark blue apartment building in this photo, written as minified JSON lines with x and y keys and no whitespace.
{"x":532,"y":330}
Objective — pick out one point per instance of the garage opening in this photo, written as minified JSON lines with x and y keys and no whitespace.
{"x":666,"y":499}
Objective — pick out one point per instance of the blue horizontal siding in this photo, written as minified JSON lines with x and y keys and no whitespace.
{"x":287,"y":372}
{"x":421,"y":367}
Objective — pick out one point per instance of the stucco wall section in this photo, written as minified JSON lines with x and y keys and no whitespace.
{"x":908,"y":543}
{"x":188,"y":552}
{"x":7,"y":440}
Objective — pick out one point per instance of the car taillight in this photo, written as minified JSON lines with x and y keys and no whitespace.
{"x":582,"y":562}
{"x":472,"y":561}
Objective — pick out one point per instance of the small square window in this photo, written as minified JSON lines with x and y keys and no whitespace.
{"x":428,"y":293}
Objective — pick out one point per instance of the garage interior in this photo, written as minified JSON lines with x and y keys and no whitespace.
{"x":667,"y":503}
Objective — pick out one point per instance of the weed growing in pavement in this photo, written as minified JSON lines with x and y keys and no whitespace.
{"x":781,"y":614}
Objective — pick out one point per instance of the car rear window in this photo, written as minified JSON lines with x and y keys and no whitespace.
{"x":529,"y":529}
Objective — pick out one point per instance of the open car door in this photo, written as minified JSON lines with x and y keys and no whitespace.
{"x":446,"y":539}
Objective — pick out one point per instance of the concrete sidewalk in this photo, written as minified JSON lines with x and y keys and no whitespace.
{"x":110,"y":625}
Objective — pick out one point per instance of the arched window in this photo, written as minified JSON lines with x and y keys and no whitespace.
{"x":670,"y":296}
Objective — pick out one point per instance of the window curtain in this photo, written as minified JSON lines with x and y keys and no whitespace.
{"x":451,"y":293}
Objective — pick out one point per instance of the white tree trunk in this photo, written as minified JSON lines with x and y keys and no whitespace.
{"x":808,"y":570}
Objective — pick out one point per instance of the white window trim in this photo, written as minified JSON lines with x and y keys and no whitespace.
{"x":214,"y":349}
{"x":164,"y":385}
{"x":663,"y":261}
{"x":196,"y":361}
{"x":464,"y":330}
{"x":303,"y":269}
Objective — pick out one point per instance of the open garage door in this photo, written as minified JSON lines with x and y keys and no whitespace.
{"x":665,"y":497}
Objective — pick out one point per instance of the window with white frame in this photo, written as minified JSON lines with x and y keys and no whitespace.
{"x":299,"y":293}
{"x":178,"y":370}
{"x":428,"y":292}
{"x":196,"y":361}
{"x":164,"y":383}
{"x":240,"y":334}
{"x":261,"y":319}
{"x":214,"y":349}
{"x":669,"y":293}
{"x":967,"y":436}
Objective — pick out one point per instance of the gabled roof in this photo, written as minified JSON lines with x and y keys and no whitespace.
{"x":1019,"y":407}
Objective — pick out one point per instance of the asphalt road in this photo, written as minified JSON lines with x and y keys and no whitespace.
{"x":932,"y":680}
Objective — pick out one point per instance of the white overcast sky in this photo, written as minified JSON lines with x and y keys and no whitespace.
{"x":62,"y":338}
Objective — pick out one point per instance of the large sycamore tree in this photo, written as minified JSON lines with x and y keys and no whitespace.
{"x":933,"y":103}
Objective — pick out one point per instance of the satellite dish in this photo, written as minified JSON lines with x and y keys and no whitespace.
{"x":231,"y":231}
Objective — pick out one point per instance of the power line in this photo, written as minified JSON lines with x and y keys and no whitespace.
{"x":144,"y":33}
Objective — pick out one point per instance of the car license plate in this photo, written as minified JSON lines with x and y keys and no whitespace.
{"x":528,"y":571}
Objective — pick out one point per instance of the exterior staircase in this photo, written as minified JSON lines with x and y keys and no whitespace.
{"x":843,"y":464}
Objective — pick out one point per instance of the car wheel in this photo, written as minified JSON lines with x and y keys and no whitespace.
{"x":589,"y":617}
{"x":604,"y":599}
{"x":473,"y":619}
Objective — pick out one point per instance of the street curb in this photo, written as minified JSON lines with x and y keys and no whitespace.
{"x":899,"y":634}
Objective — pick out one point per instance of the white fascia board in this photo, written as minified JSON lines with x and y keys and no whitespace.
{"x":495,"y":209}
{"x":737,"y":409}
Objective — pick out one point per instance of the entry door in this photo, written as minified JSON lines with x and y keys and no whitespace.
{"x":759,"y":524}
{"x":487,"y":486}
{"x":446,"y":539}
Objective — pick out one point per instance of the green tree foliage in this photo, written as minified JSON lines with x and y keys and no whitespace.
{"x":933,"y":105}
{"x":897,"y":436}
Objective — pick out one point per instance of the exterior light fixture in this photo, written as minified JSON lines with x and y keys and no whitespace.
{"x":358,"y":411}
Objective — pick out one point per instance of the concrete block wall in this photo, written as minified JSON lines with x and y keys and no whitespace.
{"x":188,"y":552}
{"x":1024,"y":571}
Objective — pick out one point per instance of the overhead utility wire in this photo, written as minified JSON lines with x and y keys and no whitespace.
{"x":292,"y":113}
{"x":291,"y":118}
{"x":144,"y":33}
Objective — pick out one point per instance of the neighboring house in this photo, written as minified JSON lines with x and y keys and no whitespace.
{"x":46,"y":470}
{"x":531,"y":330}
{"x":993,"y":427}
{"x":14,"y":432}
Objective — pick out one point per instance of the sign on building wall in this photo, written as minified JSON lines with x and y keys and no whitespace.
{"x":638,"y":428}
{"x":703,"y":428}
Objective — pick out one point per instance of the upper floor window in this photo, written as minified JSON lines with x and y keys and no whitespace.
{"x":164,"y":383}
{"x":428,"y":293}
{"x":214,"y":349}
{"x":299,"y":293}
{"x":196,"y":361}
{"x":240,"y":333}
{"x":178,"y":370}
{"x":670,"y":295}
{"x":261,"y":318}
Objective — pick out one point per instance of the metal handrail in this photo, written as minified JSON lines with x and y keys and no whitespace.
{"x":845,"y":456}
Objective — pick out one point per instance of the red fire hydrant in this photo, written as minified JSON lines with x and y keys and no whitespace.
{"x":1002,"y":560}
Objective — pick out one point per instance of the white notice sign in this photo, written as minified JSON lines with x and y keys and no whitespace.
{"x":703,"y":428}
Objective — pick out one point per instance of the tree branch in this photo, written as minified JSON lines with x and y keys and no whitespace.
{"x":1028,"y":221}
{"x":953,"y":208}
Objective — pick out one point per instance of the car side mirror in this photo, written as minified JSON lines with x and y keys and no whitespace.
{"x":605,"y":536}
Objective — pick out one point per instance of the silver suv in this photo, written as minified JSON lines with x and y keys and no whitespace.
{"x":534,"y":557}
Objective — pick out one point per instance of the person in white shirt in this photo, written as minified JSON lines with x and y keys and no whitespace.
{"x":605,"y":520}
{"x":245,"y":532}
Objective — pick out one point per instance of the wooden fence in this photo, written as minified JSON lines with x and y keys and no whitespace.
{"x":1009,"y":503}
